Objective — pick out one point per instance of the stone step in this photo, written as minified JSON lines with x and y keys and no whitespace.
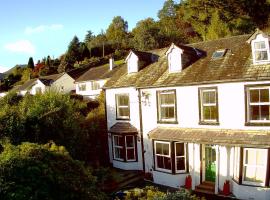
{"x":197,"y":190}
{"x":208,"y":183}
{"x":206,"y":187}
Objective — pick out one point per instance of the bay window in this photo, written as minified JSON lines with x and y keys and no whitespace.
{"x":170,"y":156}
{"x":95,"y":85}
{"x":124,"y":148}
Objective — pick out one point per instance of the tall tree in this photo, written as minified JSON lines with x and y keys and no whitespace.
{"x":146,"y":34}
{"x":31,"y":63}
{"x":117,"y":32}
{"x":88,"y":40}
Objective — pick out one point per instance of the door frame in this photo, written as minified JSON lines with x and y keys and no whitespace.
{"x":203,"y":146}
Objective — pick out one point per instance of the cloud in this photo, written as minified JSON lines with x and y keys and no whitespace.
{"x":21,"y":46}
{"x":3,"y":69}
{"x":42,"y":28}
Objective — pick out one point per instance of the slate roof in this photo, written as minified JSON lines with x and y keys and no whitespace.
{"x":236,"y":65}
{"x":97,"y":73}
{"x":122,"y":128}
{"x":28,"y":84}
{"x":48,"y":80}
{"x":247,"y":138}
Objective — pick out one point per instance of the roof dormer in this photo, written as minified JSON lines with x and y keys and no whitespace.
{"x":174,"y":55}
{"x":132,"y":61}
{"x":259,"y":42}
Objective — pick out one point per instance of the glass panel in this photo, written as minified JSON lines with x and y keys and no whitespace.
{"x":260,"y":158}
{"x":264,"y":112}
{"x":158,"y":148}
{"x":167,"y":112}
{"x":160,"y":162}
{"x":123,"y":100}
{"x":165,"y":149}
{"x":259,"y":45}
{"x":130,"y":141}
{"x":167,"y":98}
{"x":180,"y":149}
{"x":254,"y":96}
{"x":124,"y":112}
{"x":119,"y":153}
{"x":167,"y":163}
{"x":250,"y":157}
{"x":209,"y":113}
{"x":249,"y":173}
{"x":260,"y":175}
{"x":254,"y":112}
{"x":264,"y":95}
{"x":180,"y":163}
{"x":130,"y":154}
{"x":261,"y":55}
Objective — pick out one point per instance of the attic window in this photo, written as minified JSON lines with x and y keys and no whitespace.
{"x":219,"y":54}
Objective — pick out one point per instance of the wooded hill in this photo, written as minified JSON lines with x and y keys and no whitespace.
{"x":186,"y":22}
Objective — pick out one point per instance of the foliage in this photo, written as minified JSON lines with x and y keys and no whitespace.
{"x":32,"y":171}
{"x":31,"y":64}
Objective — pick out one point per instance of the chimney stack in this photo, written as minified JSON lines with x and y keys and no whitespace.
{"x":111,"y":61}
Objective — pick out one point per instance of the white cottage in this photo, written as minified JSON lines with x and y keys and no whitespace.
{"x":59,"y":82}
{"x":90,"y":84}
{"x":207,"y":116}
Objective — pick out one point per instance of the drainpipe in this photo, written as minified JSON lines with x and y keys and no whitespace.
{"x":141,"y":128}
{"x":193,"y":168}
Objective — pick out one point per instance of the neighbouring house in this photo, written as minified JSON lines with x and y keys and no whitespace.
{"x":59,"y":82}
{"x":90,"y":84}
{"x":199,"y":109}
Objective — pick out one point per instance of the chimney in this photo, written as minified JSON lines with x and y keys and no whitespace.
{"x":111,"y":61}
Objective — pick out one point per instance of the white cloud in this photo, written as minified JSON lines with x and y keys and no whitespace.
{"x":42,"y":28}
{"x":21,"y":46}
{"x":3,"y":69}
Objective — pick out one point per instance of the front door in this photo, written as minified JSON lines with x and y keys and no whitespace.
{"x":210,"y":163}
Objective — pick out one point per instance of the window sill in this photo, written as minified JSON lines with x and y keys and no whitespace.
{"x":257,"y":124}
{"x":170,"y":172}
{"x":123,"y":161}
{"x":167,"y":122}
{"x":209,"y":123}
{"x":249,"y":185}
{"x":125,"y":119}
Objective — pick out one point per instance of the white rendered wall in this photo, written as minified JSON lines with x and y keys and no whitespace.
{"x":89,"y":93}
{"x":38,"y":84}
{"x":64,"y":84}
{"x":134,"y":120}
{"x":132,"y":63}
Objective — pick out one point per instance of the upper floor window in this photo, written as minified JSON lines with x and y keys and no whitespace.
{"x":122,"y":106}
{"x":82,"y":87}
{"x":95,"y":85}
{"x":169,"y":159}
{"x":260,"y":51}
{"x":124,"y":147}
{"x":166,"y":101}
{"x":219,"y":54}
{"x":258,"y":104}
{"x":208,"y":105}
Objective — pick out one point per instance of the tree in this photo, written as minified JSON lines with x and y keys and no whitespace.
{"x":73,"y":52}
{"x":31,"y":63}
{"x":117,"y":32}
{"x":146,"y":35}
{"x":32,"y":171}
{"x":88,"y":41}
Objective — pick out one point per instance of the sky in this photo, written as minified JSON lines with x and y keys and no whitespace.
{"x":38,"y":28}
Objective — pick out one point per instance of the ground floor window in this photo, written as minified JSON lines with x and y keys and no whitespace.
{"x":250,"y":166}
{"x":124,"y":147}
{"x":170,"y":156}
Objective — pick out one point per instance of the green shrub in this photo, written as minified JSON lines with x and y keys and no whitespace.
{"x":31,"y":171}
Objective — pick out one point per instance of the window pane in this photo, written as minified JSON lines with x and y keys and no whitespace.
{"x":160,"y":163}
{"x":264,"y":95}
{"x":264,"y":112}
{"x":249,"y":173}
{"x":259,"y":45}
{"x":254,"y":96}
{"x":158,"y":148}
{"x":119,"y":153}
{"x":250,"y":157}
{"x":167,"y":98}
{"x":180,"y":163}
{"x":167,"y":163}
{"x":123,"y":112}
{"x":167,"y":112}
{"x":165,"y":149}
{"x":260,"y":158}
{"x":209,"y":97}
{"x":180,"y":149}
{"x":261,"y":55}
{"x":130,"y":154}
{"x":254,"y":112}
{"x":130,"y":141}
{"x":123,"y":100}
{"x":209,"y":113}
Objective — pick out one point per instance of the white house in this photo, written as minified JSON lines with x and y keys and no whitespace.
{"x":90,"y":84}
{"x":207,"y":116}
{"x":59,"y":82}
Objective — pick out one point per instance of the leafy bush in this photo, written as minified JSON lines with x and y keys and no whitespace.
{"x":32,"y":171}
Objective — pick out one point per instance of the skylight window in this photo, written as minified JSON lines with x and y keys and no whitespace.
{"x":219,"y":54}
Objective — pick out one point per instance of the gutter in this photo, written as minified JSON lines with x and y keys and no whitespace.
{"x":141,"y":128}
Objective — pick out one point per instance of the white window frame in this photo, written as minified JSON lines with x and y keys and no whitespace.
{"x":249,"y":104}
{"x":184,"y":156}
{"x":166,"y":105}
{"x":118,"y":116}
{"x":262,"y":167}
{"x":128,"y":148}
{"x":202,"y":90}
{"x":260,"y":38}
{"x":117,"y":147}
{"x":95,"y":85}
{"x":236,"y":163}
{"x":82,"y":87}
{"x":168,"y":156}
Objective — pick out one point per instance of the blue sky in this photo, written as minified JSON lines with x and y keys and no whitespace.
{"x":39,"y":28}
